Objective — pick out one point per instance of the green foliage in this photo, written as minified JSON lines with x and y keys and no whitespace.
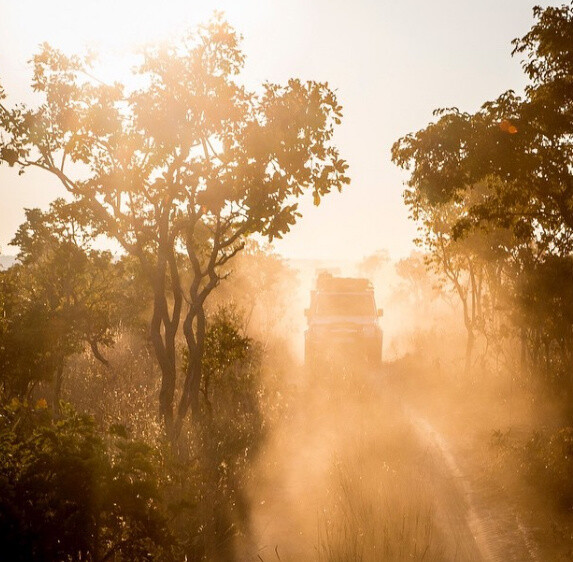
{"x":28,"y":338}
{"x":545,"y":293}
{"x":231,"y":381}
{"x":61,"y":295}
{"x":181,"y":171}
{"x":544,"y":311}
{"x":133,"y":488}
{"x":229,"y":432}
{"x":69,"y":493}
{"x":544,"y":458}
{"x":232,"y":422}
{"x":558,"y":459}
{"x":90,"y":288}
{"x":495,"y":188}
{"x":492,"y":192}
{"x":520,"y":147}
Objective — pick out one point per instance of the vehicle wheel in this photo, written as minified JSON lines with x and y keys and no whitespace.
{"x":375,"y":356}
{"x":309,"y":356}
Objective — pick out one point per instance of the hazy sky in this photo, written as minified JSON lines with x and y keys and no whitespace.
{"x":391,"y":61}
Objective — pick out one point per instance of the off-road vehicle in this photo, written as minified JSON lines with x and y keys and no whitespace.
{"x":343,"y":321}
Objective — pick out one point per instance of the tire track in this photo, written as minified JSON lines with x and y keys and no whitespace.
{"x":495,"y":532}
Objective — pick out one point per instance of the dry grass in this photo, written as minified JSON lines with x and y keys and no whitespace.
{"x":378,"y":508}
{"x":343,"y":478}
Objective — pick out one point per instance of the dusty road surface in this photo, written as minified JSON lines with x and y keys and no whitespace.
{"x":482,"y":523}
{"x":357,"y":472}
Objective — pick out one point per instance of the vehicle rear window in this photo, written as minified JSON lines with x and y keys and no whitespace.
{"x":345,"y":304}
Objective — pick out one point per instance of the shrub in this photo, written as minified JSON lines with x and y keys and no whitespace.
{"x":68,"y":492}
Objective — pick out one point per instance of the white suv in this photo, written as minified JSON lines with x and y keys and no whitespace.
{"x":343,"y":320}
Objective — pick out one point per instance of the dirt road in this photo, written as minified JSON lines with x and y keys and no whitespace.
{"x":481,"y":523}
{"x":357,"y":472}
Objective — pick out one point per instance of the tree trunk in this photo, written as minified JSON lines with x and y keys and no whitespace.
{"x":57,"y":387}
{"x":165,"y":353}
{"x":97,"y":353}
{"x":469,"y":350}
{"x":164,"y":347}
{"x":165,"y":321}
{"x":194,"y":330}
{"x":166,"y":398}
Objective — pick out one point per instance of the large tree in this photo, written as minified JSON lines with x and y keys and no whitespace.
{"x":181,"y":170}
{"x":520,"y":146}
{"x":509,"y":165}
{"x":61,"y":295}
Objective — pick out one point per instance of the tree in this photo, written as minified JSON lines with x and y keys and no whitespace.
{"x":471,"y":264}
{"x":28,"y":352}
{"x":520,"y":147}
{"x":71,"y":493}
{"x":506,"y":168}
{"x":455,"y":262}
{"x":419,"y":288}
{"x":180,"y":171}
{"x":544,"y":311}
{"x":371,"y":265}
{"x":233,"y":427}
{"x":61,"y":295}
{"x":261,"y":285}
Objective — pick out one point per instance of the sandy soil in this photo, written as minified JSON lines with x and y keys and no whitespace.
{"x":482,"y":524}
{"x":508,"y":518}
{"x":381,"y":418}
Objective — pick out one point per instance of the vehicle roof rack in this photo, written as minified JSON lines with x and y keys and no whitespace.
{"x":327,"y":282}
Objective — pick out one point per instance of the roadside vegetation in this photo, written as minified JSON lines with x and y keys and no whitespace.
{"x":94,"y":475}
{"x":152,"y":406}
{"x":137,"y":389}
{"x":491,"y":194}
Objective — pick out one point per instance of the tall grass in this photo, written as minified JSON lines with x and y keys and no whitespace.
{"x":378,"y":509}
{"x":343,"y":477}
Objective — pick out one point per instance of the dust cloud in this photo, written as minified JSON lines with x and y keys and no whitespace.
{"x":342,"y":475}
{"x":413,"y":460}
{"x":341,"y":478}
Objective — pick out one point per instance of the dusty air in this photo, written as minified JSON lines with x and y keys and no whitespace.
{"x":286,"y":281}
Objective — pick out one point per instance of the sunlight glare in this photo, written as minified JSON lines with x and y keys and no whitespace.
{"x":115,"y":29}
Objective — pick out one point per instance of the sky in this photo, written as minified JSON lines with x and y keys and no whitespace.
{"x":391,"y":62}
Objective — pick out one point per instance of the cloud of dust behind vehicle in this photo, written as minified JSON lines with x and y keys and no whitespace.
{"x":341,"y":476}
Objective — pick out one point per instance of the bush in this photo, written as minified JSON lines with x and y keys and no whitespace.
{"x":225,"y":438}
{"x":545,"y":459}
{"x":549,"y":464}
{"x":70,"y":493}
